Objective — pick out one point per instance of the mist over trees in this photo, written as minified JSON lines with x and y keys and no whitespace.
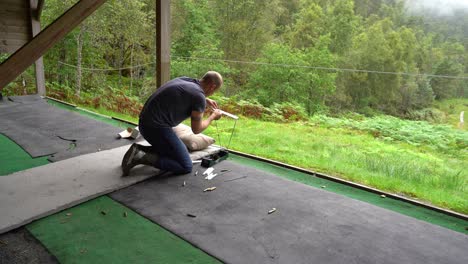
{"x":304,"y":52}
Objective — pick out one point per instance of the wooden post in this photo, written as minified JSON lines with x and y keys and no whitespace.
{"x":163,"y":41}
{"x":36,"y":9}
{"x":34,"y":49}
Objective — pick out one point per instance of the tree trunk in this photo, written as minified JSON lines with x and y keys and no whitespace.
{"x":131,"y":68}
{"x":62,"y":58}
{"x":79,"y":57}
{"x":121,"y":60}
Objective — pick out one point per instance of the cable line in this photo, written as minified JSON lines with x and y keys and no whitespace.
{"x":282,"y":65}
{"x":327,"y":68}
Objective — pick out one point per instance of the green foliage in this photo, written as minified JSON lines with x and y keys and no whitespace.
{"x":303,"y":85}
{"x":427,"y":114}
{"x":24,"y":84}
{"x":244,"y":28}
{"x":417,"y":133}
{"x":110,"y":99}
{"x":284,"y":38}
{"x":3,"y":57}
{"x":343,"y":24}
{"x":287,"y":112}
{"x":452,"y":109}
{"x":310,"y":24}
{"x":443,"y":88}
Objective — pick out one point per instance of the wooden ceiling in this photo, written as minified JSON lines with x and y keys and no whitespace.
{"x":15,"y":22}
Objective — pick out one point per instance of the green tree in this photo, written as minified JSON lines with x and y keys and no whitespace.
{"x":288,"y":75}
{"x":450,"y":65}
{"x":310,"y":24}
{"x":195,"y":44}
{"x":244,"y":27}
{"x":342,"y":25}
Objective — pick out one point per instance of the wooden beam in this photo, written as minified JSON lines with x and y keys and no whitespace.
{"x":39,"y":64}
{"x":163,"y":41}
{"x":34,"y":49}
{"x":21,"y":3}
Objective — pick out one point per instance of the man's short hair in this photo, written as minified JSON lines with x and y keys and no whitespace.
{"x":213,"y":77}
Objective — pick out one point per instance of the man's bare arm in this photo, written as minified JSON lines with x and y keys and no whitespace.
{"x":197,"y":122}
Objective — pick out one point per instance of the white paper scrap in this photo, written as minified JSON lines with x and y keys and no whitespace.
{"x":208,"y":171}
{"x":210,"y":176}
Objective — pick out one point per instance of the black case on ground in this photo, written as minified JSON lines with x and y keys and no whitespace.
{"x":214,"y":158}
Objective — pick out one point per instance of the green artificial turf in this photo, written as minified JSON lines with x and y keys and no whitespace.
{"x":104,"y":231}
{"x":408,"y":209}
{"x":13,"y":158}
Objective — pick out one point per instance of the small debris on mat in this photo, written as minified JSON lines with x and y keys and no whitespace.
{"x":191,"y":215}
{"x":3,"y":242}
{"x":83,"y":250}
{"x":68,"y":214}
{"x":210,"y":189}
{"x":383,"y":196}
{"x":71,"y":146}
{"x":183,"y":184}
{"x":272,"y":210}
{"x":130,"y":133}
{"x":236,"y":179}
{"x":196,"y":173}
{"x":103,"y":212}
{"x":125,"y":214}
{"x":323,"y":186}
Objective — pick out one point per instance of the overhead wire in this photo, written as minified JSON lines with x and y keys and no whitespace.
{"x":327,"y":68}
{"x":108,"y":69}
{"x":281,"y":65}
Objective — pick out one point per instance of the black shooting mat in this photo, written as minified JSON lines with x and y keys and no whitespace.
{"x":19,"y":246}
{"x":42,"y":129}
{"x":310,"y":225}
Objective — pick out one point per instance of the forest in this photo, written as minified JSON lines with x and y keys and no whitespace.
{"x":365,"y":56}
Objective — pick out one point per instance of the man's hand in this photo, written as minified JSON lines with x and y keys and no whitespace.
{"x":216,"y":114}
{"x":212,"y":103}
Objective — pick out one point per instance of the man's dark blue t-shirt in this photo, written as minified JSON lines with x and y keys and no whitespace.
{"x":173,"y":102}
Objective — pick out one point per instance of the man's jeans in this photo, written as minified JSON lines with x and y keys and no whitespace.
{"x":173,"y":154}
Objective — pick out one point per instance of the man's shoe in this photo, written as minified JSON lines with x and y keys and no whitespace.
{"x":129,"y":160}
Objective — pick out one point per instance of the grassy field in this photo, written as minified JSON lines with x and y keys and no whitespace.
{"x":416,"y":159}
{"x":452,"y":108}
